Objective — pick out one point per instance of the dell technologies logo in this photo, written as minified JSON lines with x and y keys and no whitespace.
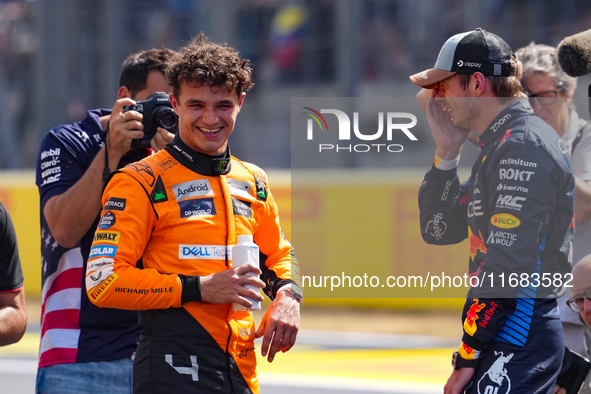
{"x":391,"y":119}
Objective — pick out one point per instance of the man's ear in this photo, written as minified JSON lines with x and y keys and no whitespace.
{"x":174,"y":103}
{"x":123,"y":92}
{"x":479,"y":83}
{"x":241,"y":100}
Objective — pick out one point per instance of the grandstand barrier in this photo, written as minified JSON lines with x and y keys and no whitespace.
{"x":316,"y":212}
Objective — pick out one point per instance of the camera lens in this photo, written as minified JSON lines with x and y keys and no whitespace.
{"x":165,"y":117}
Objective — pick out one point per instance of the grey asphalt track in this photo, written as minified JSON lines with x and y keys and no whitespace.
{"x":17,"y":376}
{"x":18,"y":371}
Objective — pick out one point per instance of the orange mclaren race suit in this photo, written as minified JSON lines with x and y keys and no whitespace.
{"x":167,"y":220}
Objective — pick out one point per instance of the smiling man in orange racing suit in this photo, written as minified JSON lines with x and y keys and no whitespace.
{"x":516,"y":210}
{"x":163,"y":244}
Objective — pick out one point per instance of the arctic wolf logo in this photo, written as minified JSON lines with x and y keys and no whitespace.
{"x":496,"y":379}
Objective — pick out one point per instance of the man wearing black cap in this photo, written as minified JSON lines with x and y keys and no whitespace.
{"x":516,"y":210}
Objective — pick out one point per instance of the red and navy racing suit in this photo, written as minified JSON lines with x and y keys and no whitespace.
{"x":516,"y":210}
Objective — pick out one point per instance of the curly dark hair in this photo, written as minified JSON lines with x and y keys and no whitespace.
{"x":136,"y":68}
{"x":204,"y":62}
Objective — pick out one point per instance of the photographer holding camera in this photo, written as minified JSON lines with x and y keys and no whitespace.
{"x":83,"y":347}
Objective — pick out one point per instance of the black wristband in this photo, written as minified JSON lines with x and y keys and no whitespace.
{"x":458,"y":362}
{"x":191,"y":288}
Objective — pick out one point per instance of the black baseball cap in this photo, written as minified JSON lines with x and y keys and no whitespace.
{"x":467,"y":53}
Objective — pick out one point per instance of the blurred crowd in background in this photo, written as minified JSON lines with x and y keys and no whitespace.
{"x":59,"y":58}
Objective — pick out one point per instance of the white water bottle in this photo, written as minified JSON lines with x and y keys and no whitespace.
{"x":246,"y":251}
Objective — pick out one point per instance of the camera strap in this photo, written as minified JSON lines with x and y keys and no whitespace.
{"x":106,"y":171}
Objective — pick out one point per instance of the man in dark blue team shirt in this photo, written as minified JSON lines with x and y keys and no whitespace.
{"x":83,"y":347}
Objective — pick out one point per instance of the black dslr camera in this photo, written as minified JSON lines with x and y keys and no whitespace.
{"x":157,"y":112}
